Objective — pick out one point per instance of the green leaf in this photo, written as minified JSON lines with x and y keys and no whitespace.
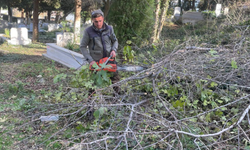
{"x":128,"y":42}
{"x":234,"y":110}
{"x":213,"y":84}
{"x":208,"y":118}
{"x":95,"y":66}
{"x":99,"y":112}
{"x":58,"y":96}
{"x":59,"y":77}
{"x":234,"y":64}
{"x":212,"y":52}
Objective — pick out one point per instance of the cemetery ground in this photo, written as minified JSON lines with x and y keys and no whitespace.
{"x":194,"y":95}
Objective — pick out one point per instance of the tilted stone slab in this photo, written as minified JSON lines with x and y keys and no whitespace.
{"x":192,"y":17}
{"x":65,"y":56}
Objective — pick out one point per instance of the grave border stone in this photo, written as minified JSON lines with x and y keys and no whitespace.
{"x":64,"y":56}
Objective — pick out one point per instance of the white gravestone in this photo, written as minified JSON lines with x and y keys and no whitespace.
{"x":63,"y":38}
{"x":177,"y":13}
{"x":19,"y":36}
{"x":218,"y":10}
{"x":19,"y":20}
{"x":226,"y":10}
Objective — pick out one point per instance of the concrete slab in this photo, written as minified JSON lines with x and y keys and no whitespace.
{"x":64,"y":56}
{"x":192,"y":17}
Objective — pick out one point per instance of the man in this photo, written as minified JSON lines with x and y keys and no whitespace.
{"x":100,"y":40}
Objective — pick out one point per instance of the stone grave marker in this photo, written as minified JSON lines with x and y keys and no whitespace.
{"x":64,"y":56}
{"x":31,"y":28}
{"x":177,"y":13}
{"x":192,"y":17}
{"x":19,"y":36}
{"x":45,"y":25}
{"x":21,"y":25}
{"x":226,"y":10}
{"x":4,"y":24}
{"x":52,"y":27}
{"x":63,"y":38}
{"x":218,"y":10}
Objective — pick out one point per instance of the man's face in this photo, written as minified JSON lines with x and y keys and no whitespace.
{"x":98,"y":22}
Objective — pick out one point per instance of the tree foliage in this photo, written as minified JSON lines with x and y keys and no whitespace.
{"x":131,"y":18}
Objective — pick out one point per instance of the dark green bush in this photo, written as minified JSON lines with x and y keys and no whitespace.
{"x":132,"y":20}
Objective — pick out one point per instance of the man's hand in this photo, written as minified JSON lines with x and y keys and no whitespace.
{"x":113,"y":54}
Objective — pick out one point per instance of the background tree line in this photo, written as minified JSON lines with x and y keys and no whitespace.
{"x":139,"y":21}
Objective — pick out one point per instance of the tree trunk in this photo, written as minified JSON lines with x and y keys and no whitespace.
{"x":49,"y":14}
{"x":193,"y":5}
{"x":35,"y":21}
{"x":107,"y":4}
{"x":57,"y":20}
{"x":26,"y":17}
{"x":179,"y":3}
{"x":162,"y":18}
{"x":22,"y":14}
{"x":77,"y":21}
{"x":155,"y":28}
{"x":9,"y":13}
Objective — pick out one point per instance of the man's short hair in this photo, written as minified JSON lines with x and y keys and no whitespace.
{"x":96,"y":13}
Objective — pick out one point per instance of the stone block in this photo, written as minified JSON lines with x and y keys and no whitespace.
{"x":64,"y":56}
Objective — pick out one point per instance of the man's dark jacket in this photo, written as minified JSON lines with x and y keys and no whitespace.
{"x":99,"y":42}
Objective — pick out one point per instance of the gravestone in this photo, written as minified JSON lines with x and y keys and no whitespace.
{"x":177,"y":13}
{"x":88,"y":21}
{"x":19,"y":20}
{"x":70,"y":17}
{"x":52,"y":27}
{"x":45,"y":25}
{"x":5,"y":24}
{"x":226,"y":10}
{"x":31,"y":28}
{"x":19,"y":36}
{"x":64,"y":56}
{"x":218,"y":10}
{"x":192,"y":17}
{"x":21,"y":25}
{"x":63,"y":38}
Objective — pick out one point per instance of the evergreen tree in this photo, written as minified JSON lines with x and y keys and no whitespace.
{"x":132,"y":20}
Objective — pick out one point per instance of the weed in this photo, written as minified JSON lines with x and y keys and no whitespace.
{"x":7,"y":32}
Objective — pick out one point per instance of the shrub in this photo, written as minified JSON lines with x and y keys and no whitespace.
{"x":131,"y":18}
